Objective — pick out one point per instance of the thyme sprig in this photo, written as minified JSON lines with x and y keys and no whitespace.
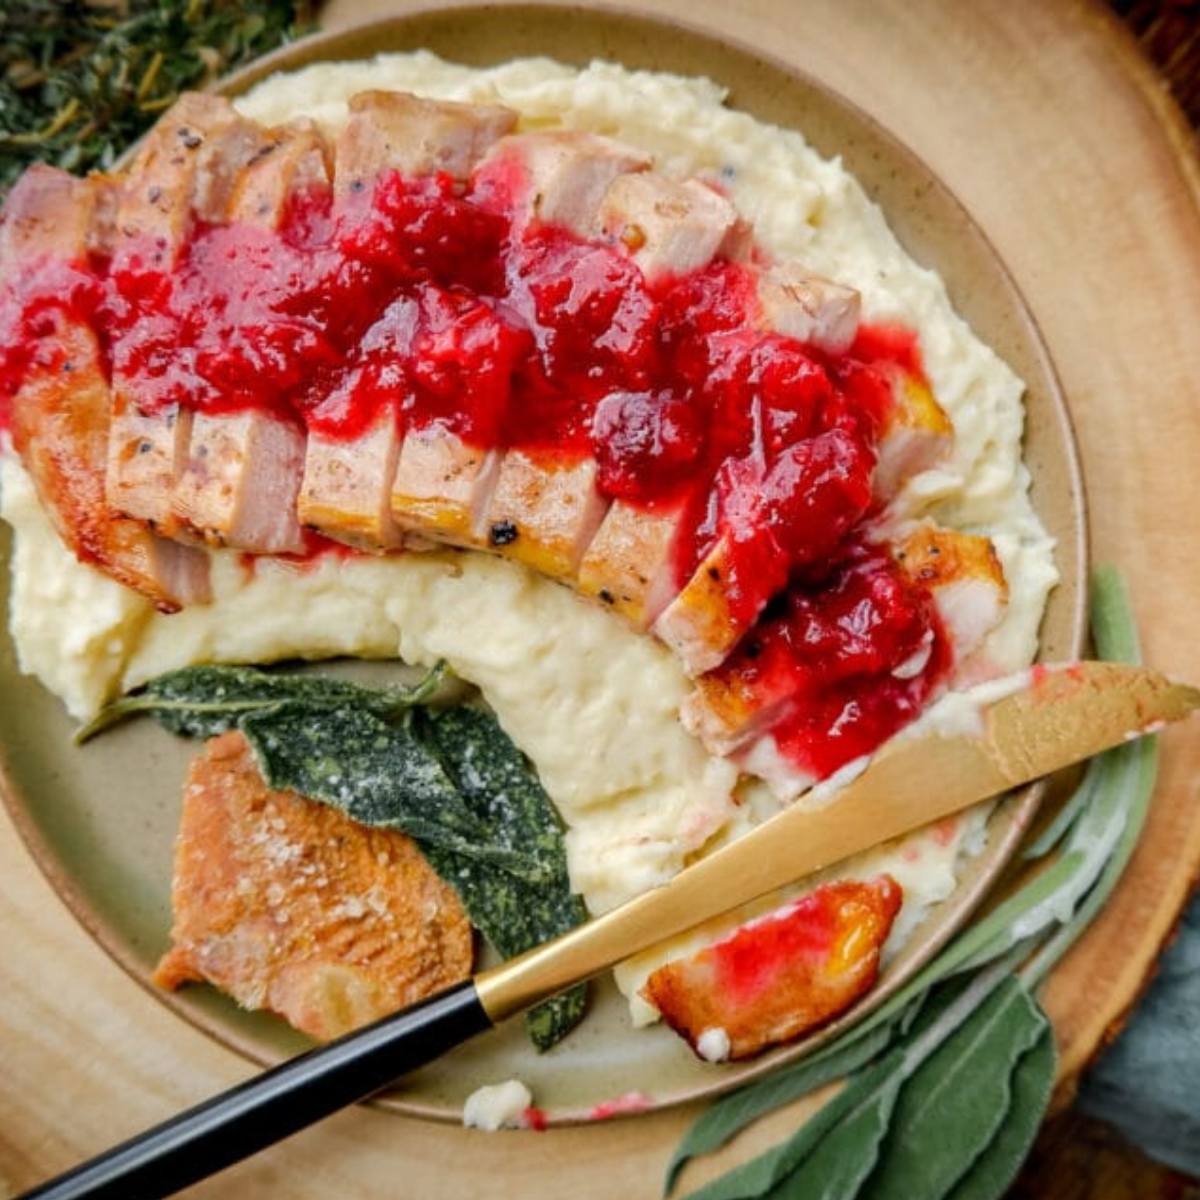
{"x":82,"y":79}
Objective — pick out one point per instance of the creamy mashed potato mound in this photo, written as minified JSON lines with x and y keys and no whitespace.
{"x":593,"y":704}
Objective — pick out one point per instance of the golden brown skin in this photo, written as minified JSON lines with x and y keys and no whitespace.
{"x":783,"y":975}
{"x":288,"y":905}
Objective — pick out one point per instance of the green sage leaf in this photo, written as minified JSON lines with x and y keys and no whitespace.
{"x":1032,"y":1082}
{"x":951,"y":1108}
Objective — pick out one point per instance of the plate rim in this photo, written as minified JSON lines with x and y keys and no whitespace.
{"x":1023,"y":805}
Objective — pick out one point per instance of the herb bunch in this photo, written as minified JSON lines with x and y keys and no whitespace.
{"x":82,"y":79}
{"x":946,"y":1084}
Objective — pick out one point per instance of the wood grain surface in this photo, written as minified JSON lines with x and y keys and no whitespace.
{"x":1061,"y":140}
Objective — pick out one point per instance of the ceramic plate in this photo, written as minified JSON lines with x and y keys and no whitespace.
{"x":100,"y":820}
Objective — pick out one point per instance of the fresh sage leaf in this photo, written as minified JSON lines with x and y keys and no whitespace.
{"x":728,"y":1116}
{"x":951,"y":1108}
{"x":993,"y":1171}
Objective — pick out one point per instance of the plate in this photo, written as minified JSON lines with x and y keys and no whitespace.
{"x":100,"y":821}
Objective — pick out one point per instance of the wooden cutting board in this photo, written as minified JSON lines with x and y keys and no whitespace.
{"x":1063,"y":144}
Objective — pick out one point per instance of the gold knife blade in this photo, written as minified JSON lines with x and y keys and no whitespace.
{"x":1058,"y":716}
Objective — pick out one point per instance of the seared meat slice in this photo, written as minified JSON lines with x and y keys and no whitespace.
{"x":352,"y":487}
{"x":346,"y":488}
{"x":288,"y":905}
{"x":758,"y":684}
{"x":184,"y":171}
{"x":917,"y":434}
{"x":60,"y":414}
{"x":443,"y":486}
{"x":807,"y":307}
{"x":241,"y":476}
{"x":781,"y":975}
{"x":396,"y":131}
{"x":966,"y":579}
{"x":240,"y":480}
{"x":669,"y":227}
{"x":545,"y":512}
{"x":629,"y":565}
{"x":558,"y":177}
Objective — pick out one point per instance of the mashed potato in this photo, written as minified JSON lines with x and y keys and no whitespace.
{"x":594,"y":705}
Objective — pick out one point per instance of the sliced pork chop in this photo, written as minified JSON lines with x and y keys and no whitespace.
{"x":396,"y":131}
{"x":964,"y":574}
{"x":545,"y":512}
{"x":288,"y":905}
{"x":367,"y":489}
{"x":241,"y":475}
{"x":754,"y":687}
{"x":556,"y":177}
{"x":781,"y":975}
{"x":184,"y":171}
{"x":629,"y":565}
{"x":61,"y":412}
{"x":668,"y":226}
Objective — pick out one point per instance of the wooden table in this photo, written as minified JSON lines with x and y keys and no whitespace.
{"x":1062,"y":141}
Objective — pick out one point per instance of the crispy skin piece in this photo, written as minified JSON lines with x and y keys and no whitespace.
{"x":288,"y":905}
{"x":60,"y":416}
{"x":784,"y":974}
{"x":184,"y":171}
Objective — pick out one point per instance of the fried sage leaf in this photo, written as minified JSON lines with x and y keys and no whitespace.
{"x":451,"y":779}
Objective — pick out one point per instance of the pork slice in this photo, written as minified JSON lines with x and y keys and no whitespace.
{"x":965,"y":578}
{"x":183,"y":171}
{"x":667,"y":226}
{"x":60,"y":418}
{"x":916,"y":436}
{"x":240,"y":481}
{"x":61,"y":413}
{"x":444,"y":487}
{"x":346,"y":493}
{"x":629,"y":565}
{"x":701,"y":623}
{"x":781,"y":975}
{"x":241,"y":471}
{"x":558,"y":177}
{"x":808,"y":307}
{"x":288,"y":905}
{"x":544,"y":511}
{"x":396,"y":131}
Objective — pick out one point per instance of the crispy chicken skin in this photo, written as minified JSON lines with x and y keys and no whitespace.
{"x":782,"y":975}
{"x":60,"y":415}
{"x":288,"y":905}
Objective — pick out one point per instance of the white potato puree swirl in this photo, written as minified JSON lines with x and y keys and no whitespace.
{"x":594,"y":705}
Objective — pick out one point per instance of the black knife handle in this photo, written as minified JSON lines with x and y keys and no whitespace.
{"x":273,"y":1105}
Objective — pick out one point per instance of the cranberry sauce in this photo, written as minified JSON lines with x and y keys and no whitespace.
{"x":423,"y":300}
